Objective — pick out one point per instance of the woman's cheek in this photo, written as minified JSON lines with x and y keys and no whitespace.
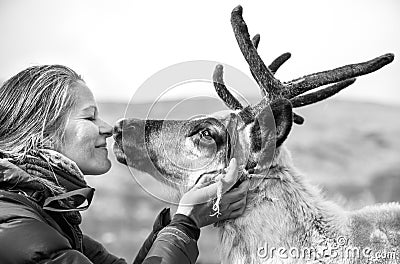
{"x":86,"y":138}
{"x":80,"y":141}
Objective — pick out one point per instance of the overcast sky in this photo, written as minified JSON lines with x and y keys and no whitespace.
{"x":117,"y":45}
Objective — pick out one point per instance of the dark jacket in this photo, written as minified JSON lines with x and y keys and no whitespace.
{"x":30,"y":234}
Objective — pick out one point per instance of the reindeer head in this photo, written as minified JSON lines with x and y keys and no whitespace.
{"x":180,"y":152}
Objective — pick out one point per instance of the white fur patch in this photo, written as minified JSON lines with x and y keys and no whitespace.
{"x":193,"y":149}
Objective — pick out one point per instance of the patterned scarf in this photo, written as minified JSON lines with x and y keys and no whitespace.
{"x":53,"y":181}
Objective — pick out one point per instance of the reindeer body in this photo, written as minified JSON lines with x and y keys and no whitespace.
{"x":283,"y":210}
{"x":287,"y":212}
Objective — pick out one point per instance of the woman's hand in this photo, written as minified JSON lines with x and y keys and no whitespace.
{"x":198,"y":202}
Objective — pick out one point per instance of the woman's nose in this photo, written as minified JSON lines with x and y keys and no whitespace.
{"x":105,"y":129}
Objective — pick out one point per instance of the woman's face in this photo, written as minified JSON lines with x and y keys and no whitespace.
{"x":85,"y":134}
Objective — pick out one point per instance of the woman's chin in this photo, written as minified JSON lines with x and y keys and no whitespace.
{"x":97,"y":168}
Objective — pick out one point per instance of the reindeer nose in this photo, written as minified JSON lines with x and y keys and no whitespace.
{"x":127,"y":124}
{"x":118,"y":127}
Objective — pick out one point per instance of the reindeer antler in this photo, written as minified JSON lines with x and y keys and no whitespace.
{"x":273,"y":67}
{"x":272,"y":88}
{"x":222,"y":91}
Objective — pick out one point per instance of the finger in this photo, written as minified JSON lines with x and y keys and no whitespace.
{"x":236,"y":213}
{"x":243,"y":187}
{"x":241,"y":208}
{"x":208,"y":192}
{"x":237,"y":205}
{"x":232,"y":214}
{"x":204,"y":181}
{"x":236,"y":194}
{"x":225,"y":183}
{"x":229,"y":208}
{"x":222,"y":175}
{"x":231,"y":176}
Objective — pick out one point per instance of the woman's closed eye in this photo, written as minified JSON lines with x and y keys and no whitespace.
{"x":90,"y":118}
{"x":89,"y":113}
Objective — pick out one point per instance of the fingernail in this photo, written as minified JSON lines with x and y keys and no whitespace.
{"x":232,"y":162}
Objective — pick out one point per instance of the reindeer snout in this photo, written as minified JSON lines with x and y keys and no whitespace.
{"x":129,"y":145}
{"x":118,"y":127}
{"x":131,"y":129}
{"x":127,"y":124}
{"x":117,"y":133}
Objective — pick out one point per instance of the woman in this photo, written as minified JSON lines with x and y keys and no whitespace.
{"x":51,"y":136}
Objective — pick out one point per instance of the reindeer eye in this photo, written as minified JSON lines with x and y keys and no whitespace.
{"x":206,"y":135}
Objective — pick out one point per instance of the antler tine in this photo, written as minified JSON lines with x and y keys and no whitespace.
{"x":272,"y":88}
{"x":308,"y":82}
{"x":274,"y":66}
{"x":278,"y":62}
{"x":322,"y":94}
{"x":262,"y":74}
{"x":256,"y":40}
{"x":222,"y":91}
{"x":298,"y":119}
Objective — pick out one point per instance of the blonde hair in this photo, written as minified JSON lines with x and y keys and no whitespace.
{"x":34,"y":108}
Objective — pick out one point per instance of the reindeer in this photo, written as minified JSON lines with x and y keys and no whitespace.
{"x":287,"y":220}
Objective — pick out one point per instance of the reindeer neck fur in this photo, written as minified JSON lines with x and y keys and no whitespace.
{"x":284,"y":210}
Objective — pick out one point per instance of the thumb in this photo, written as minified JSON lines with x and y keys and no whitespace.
{"x":231,"y":176}
{"x":227,"y":181}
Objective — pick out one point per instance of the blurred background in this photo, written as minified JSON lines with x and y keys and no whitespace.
{"x":349,"y":145}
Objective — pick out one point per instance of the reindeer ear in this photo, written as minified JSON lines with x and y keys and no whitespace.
{"x":281,"y":123}
{"x":283,"y":115}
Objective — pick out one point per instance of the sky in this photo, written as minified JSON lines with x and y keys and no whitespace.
{"x":117,"y":45}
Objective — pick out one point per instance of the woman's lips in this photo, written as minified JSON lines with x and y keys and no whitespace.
{"x":104,"y":145}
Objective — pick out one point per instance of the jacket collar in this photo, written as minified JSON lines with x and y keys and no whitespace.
{"x":50,"y":178}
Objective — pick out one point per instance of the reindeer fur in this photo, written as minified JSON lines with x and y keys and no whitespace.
{"x":290,"y":212}
{"x":283,"y":209}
